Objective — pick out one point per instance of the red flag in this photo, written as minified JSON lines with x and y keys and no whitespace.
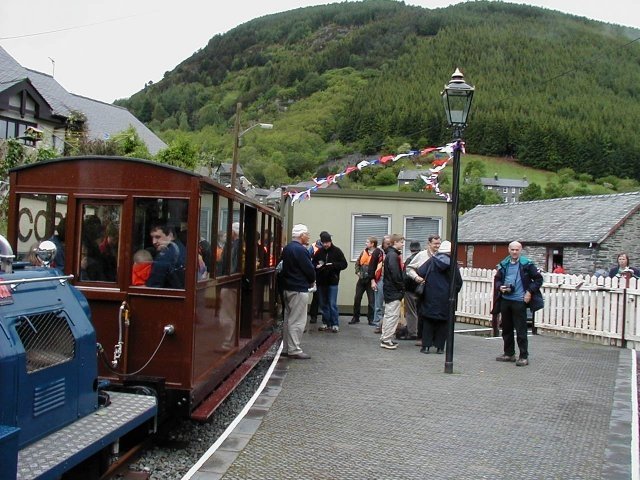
{"x":428,"y":150}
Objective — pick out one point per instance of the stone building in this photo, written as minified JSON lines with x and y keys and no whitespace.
{"x":583,"y":234}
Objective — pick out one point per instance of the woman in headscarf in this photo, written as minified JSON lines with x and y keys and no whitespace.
{"x":433,"y":308}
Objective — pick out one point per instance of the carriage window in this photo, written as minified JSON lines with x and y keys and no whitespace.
{"x":229,"y":239}
{"x":237,"y":244}
{"x":42,"y":217}
{"x":159,"y":243}
{"x":269,"y":241}
{"x":265,"y":256}
{"x":99,"y":240}
{"x":204,"y":244}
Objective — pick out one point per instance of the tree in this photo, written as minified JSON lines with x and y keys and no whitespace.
{"x":532,"y":192}
{"x":473,"y":193}
{"x":276,"y":175}
{"x":129,"y":144}
{"x":386,"y":176}
{"x":180,"y":153}
{"x":557,"y":189}
{"x":474,"y":168}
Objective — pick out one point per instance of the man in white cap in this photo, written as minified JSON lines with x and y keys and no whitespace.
{"x":298,"y":275}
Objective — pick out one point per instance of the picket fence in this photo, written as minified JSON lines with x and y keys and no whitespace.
{"x":598,"y":309}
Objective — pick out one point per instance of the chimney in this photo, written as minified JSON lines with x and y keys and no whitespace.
{"x":495,"y":175}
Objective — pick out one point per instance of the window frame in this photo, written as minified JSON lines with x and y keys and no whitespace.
{"x":423,"y":240}
{"x":357,"y":240}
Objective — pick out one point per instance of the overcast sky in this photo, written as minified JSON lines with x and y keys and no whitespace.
{"x":109,"y":50}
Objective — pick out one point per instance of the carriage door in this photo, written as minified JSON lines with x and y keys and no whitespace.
{"x":249,"y":271}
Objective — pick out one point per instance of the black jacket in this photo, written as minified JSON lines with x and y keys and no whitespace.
{"x":434,"y":302}
{"x":615,"y":271}
{"x":531,"y":282}
{"x":332,"y":261}
{"x":393,"y":276}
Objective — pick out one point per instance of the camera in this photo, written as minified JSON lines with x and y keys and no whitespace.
{"x":508,"y":288}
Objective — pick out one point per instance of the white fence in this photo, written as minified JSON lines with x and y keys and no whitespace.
{"x":603,"y":310}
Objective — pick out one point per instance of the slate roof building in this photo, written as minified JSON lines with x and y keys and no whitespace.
{"x":407,"y":177}
{"x":222,"y":173}
{"x":583,"y":234}
{"x":31,"y":99}
{"x":508,"y":188}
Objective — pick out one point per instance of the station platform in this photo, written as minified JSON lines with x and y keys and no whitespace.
{"x":358,"y":411}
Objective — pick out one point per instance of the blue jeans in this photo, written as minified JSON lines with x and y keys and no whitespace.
{"x":328,"y":298}
{"x":379,"y":301}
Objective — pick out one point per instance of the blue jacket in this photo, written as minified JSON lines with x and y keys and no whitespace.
{"x":434,"y":302}
{"x":168,"y":267}
{"x":298,"y":273}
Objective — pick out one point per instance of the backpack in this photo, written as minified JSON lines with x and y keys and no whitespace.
{"x":379,"y":267}
{"x":362,"y":264}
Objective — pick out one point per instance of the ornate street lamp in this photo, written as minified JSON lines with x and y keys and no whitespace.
{"x":456,"y":96}
{"x":237,"y":134}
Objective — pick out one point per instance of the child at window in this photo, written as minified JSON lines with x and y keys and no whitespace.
{"x":142,"y":262}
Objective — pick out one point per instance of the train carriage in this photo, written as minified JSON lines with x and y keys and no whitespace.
{"x":179,"y":271}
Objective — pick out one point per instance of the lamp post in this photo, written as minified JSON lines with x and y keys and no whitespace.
{"x":237,"y":134}
{"x":456,"y":96}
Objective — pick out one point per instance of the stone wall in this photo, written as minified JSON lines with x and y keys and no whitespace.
{"x":624,"y":239}
{"x":576,"y":259}
{"x":536,"y":253}
{"x":579,"y":260}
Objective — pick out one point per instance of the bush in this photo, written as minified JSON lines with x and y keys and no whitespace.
{"x":610,"y":181}
{"x":386,"y":176}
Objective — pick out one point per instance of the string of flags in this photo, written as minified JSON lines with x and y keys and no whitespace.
{"x":431,"y":180}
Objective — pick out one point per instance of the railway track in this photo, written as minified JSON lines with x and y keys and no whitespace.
{"x":173,"y":456}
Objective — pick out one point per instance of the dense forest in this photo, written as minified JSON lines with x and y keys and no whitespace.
{"x":552,"y":90}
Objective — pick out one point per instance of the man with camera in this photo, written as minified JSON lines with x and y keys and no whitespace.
{"x":518,"y":280}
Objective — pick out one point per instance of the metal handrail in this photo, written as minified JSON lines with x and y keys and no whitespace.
{"x":16,"y":283}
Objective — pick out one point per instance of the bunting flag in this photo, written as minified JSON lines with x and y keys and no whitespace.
{"x":431,"y":180}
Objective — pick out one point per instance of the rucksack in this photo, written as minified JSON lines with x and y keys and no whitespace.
{"x":379,"y":267}
{"x":362,"y":264}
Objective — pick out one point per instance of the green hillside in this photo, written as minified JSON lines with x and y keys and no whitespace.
{"x":552,"y":90}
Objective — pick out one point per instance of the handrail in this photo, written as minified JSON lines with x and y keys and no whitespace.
{"x":14,"y":284}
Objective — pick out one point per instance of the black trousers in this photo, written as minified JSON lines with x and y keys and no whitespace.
{"x":313,"y":308}
{"x":514,"y":316}
{"x":434,"y":333}
{"x":363,"y":286}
